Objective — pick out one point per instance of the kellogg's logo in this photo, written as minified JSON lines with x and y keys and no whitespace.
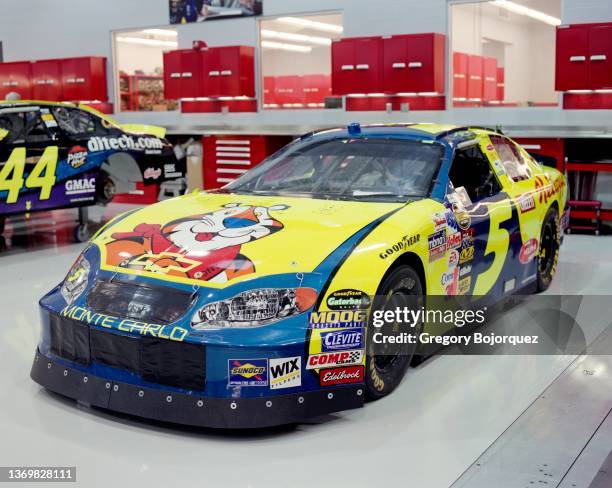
{"x":152,"y":173}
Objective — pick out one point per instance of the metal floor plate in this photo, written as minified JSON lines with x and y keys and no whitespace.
{"x":562,"y":439}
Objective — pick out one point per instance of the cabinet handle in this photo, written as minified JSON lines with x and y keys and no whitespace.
{"x":40,"y":82}
{"x":50,"y":82}
{"x":70,"y":81}
{"x":226,"y":72}
{"x":458,"y":75}
{"x":80,"y":80}
{"x":490,"y":78}
{"x":474,"y":77}
{"x":347,"y":67}
{"x":598,"y":57}
{"x":213,"y":73}
{"x":175,"y":75}
{"x":577,"y":59}
{"x":6,"y":83}
{"x":14,"y":83}
{"x":415,"y":64}
{"x":187,"y":75}
{"x":363,"y":66}
{"x":398,"y":65}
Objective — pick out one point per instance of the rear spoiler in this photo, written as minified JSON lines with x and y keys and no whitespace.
{"x":152,"y":130}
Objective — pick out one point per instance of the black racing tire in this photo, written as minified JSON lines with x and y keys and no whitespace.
{"x":384,"y":372}
{"x":548,"y":250}
{"x":105,"y":188}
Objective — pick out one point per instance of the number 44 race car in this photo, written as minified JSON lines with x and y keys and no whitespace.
{"x":58,"y":155}
{"x":247,"y":306}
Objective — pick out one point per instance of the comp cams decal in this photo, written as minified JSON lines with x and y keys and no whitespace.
{"x":331,"y":359}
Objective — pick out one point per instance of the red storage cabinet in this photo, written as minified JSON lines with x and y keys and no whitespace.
{"x":413,"y":63}
{"x":572,"y":69}
{"x":269,"y":90}
{"x":460,"y":75}
{"x":172,"y":74}
{"x":314,"y":89}
{"x":191,"y":73}
{"x":356,"y":65}
{"x":475,"y":74}
{"x":489,"y":84}
{"x":501,"y":87}
{"x":600,"y":56}
{"x":46,"y":80}
{"x":15,"y":77}
{"x":288,"y":90}
{"x":83,"y":78}
{"x":229,"y":71}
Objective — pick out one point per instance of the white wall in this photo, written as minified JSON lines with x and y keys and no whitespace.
{"x":38,"y":29}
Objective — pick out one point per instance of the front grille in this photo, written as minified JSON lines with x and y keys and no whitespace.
{"x":161,"y":361}
{"x":148,"y":303}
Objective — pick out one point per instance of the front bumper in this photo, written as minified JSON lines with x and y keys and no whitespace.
{"x":191,"y":409}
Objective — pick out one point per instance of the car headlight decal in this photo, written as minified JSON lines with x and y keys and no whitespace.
{"x":76,"y":281}
{"x":254,"y":308}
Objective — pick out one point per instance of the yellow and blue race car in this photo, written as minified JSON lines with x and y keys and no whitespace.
{"x":247,"y":306}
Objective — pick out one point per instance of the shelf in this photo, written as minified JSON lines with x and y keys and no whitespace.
{"x":593,"y":167}
{"x":606,"y":214}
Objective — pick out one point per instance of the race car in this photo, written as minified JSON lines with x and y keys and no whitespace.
{"x":58,"y":155}
{"x":248,"y":306}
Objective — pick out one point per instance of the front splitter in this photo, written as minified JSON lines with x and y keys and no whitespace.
{"x":188,"y":409}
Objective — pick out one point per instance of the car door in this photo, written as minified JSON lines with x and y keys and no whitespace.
{"x":483,"y":226}
{"x":27,"y":173}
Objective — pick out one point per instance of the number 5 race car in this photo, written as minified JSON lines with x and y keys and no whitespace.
{"x":57,"y":155}
{"x":248,"y":306}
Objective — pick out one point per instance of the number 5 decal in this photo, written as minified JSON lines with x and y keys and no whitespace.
{"x":42,"y":175}
{"x":498,"y":242}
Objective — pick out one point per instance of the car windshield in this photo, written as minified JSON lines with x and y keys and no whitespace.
{"x":347,"y":169}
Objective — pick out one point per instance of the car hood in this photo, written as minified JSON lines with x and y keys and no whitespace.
{"x":219,"y":239}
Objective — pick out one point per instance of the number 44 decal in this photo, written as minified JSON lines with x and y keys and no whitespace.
{"x":42,"y":175}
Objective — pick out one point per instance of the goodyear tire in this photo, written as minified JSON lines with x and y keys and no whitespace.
{"x":386,"y":364}
{"x":548,"y":251}
{"x":105,"y":188}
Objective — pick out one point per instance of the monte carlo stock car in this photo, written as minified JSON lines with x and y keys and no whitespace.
{"x":57,"y":155}
{"x":247,"y":306}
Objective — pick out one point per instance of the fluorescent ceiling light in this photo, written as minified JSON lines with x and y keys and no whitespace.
{"x":147,"y":42}
{"x":288,"y":36}
{"x":286,"y":47}
{"x":529,"y":12}
{"x":161,"y":32}
{"x":311,"y":24}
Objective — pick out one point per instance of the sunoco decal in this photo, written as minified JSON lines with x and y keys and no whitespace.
{"x":247,"y":372}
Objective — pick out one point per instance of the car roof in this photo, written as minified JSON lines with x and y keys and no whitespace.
{"x":46,"y":103}
{"x":446,"y":133}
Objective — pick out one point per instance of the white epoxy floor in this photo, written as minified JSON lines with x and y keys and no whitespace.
{"x":442,"y":418}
